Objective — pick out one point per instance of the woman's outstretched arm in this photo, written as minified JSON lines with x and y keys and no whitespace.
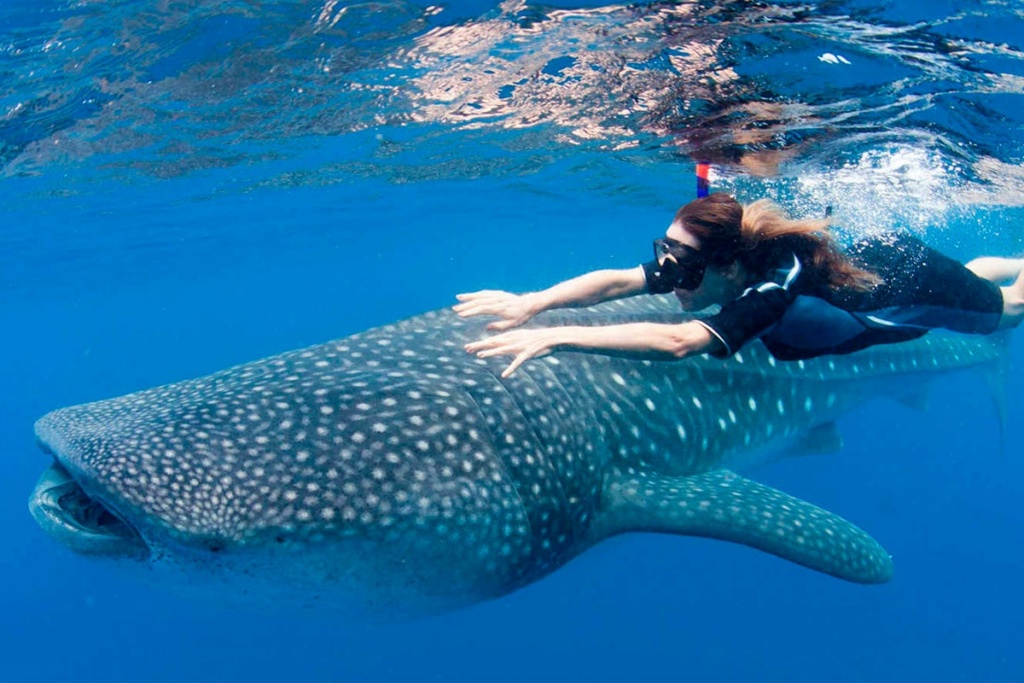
{"x":585,"y":290}
{"x":663,"y":341}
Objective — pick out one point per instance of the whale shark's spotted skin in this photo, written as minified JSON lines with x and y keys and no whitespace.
{"x":394,"y":471}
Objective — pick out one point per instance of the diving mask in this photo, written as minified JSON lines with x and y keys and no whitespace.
{"x":680,"y":264}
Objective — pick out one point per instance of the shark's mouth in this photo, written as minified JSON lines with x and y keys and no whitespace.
{"x":64,"y":510}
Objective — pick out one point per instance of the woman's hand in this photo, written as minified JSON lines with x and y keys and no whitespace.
{"x":513,"y":309}
{"x":523,"y":344}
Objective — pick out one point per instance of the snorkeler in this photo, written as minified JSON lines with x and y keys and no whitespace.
{"x":785,"y":282}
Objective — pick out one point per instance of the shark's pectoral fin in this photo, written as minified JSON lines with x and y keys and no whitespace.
{"x":823,"y":439}
{"x":916,"y":398}
{"x":995,"y":376}
{"x":724,"y":505}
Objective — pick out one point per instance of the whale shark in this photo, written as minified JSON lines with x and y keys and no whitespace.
{"x":390,"y":473}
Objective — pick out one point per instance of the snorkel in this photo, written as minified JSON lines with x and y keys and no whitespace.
{"x":703,"y":185}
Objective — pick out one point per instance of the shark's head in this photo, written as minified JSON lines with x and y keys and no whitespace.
{"x":302,"y":472}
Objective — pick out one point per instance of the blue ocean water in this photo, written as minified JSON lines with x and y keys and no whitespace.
{"x":191,"y":185}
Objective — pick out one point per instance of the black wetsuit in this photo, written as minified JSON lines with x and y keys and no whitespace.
{"x":921,"y":290}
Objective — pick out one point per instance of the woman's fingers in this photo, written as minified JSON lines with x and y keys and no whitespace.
{"x":508,"y":307}
{"x":502,"y":325}
{"x":478,"y":348}
{"x":496,"y":350}
{"x":516,"y":362}
{"x":485,"y":296}
{"x":479,"y":309}
{"x":471,"y":296}
{"x":468,"y":309}
{"x":523,"y":345}
{"x":483,"y":303}
{"x":521,"y":356}
{"x":495,"y":346}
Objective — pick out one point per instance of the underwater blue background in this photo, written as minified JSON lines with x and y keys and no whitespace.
{"x":126,"y":264}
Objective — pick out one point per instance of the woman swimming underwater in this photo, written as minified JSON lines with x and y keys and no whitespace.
{"x":785,"y":282}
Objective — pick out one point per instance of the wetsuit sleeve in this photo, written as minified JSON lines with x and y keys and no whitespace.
{"x":747,"y":317}
{"x":657,"y":283}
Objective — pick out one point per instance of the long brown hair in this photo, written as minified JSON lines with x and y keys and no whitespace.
{"x":760,"y":236}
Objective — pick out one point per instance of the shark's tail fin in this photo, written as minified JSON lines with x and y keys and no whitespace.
{"x":726,"y":506}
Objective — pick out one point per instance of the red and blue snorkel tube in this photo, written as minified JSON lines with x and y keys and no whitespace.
{"x":703,"y":186}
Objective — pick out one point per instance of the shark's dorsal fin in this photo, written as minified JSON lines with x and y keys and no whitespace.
{"x":724,"y":505}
